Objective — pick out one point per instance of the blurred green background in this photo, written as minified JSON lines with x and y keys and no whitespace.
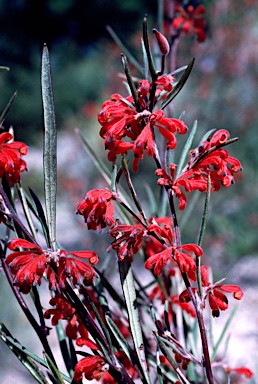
{"x":220,"y":93}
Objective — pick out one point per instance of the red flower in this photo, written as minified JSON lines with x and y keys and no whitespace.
{"x":179,"y":254}
{"x":97,"y":209}
{"x":29,"y":266}
{"x":217,"y":300}
{"x":92,"y":367}
{"x":145,"y":141}
{"x":241,"y":371}
{"x":187,"y":307}
{"x":64,"y":311}
{"x":152,"y":245}
{"x":208,"y":159}
{"x":165,"y":82}
{"x":11,"y":161}
{"x":122,"y":120}
{"x":128,"y":240}
{"x":191,"y":21}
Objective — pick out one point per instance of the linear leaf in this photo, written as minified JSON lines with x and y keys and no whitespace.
{"x":123,"y":48}
{"x":41,"y":216}
{"x":127,"y":281}
{"x":50,"y":142}
{"x":104,"y":171}
{"x":7,"y":108}
{"x":26,"y":210}
{"x":64,"y":348}
{"x":148,"y":50}
{"x":223,"y":333}
{"x":171,"y":359}
{"x":120,"y":339}
{"x":22,"y":355}
{"x":186,"y":149}
{"x":179,"y":85}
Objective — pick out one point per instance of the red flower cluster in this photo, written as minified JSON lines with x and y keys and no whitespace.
{"x":208,"y":159}
{"x":217,"y":300}
{"x":29,"y":265}
{"x":64,"y":311}
{"x":162,"y":227}
{"x":191,"y":21}
{"x":128,"y":239}
{"x":95,"y":367}
{"x":121,"y":120}
{"x":180,"y":255}
{"x":11,"y":161}
{"x":92,"y":367}
{"x":97,"y":209}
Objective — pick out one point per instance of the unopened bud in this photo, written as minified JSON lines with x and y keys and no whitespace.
{"x":162,"y":42}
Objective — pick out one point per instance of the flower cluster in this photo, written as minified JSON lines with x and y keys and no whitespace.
{"x":128,"y":240}
{"x":122,"y":120}
{"x":29,"y":265}
{"x":217,"y":300}
{"x":209,"y":159}
{"x":92,"y":367}
{"x":179,"y":254}
{"x":97,"y":209}
{"x":64,"y":311}
{"x":191,"y":21}
{"x":95,"y":367}
{"x":11,"y":161}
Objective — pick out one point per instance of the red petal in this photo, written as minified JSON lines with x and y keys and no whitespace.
{"x":235,"y":289}
{"x":243,"y":371}
{"x":15,"y":243}
{"x":192,"y":248}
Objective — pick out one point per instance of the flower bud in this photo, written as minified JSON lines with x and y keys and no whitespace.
{"x":162,"y":42}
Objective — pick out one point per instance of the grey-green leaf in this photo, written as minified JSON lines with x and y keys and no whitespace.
{"x":50,"y":143}
{"x":127,"y":281}
{"x":179,"y":85}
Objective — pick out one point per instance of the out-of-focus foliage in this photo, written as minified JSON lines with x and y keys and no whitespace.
{"x":72,"y":30}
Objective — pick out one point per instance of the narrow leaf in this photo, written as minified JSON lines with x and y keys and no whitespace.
{"x":22,"y":355}
{"x":26,"y":210}
{"x":130,"y":81}
{"x":186,"y":150}
{"x":171,"y":359}
{"x":50,"y":142}
{"x":121,"y":340}
{"x":123,"y":48}
{"x":64,"y":348}
{"x":153,"y":210}
{"x":7,"y":108}
{"x":223,"y":333}
{"x":104,"y":171}
{"x":167,"y":373}
{"x":41,"y":216}
{"x":145,"y":60}
{"x":147,"y":49}
{"x":54,"y":370}
{"x":127,"y":282}
{"x":179,"y":85}
{"x":111,"y":290}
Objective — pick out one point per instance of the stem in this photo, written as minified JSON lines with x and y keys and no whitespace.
{"x":132,"y":190}
{"x":201,"y":235}
{"x":199,"y":313}
{"x":11,"y":212}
